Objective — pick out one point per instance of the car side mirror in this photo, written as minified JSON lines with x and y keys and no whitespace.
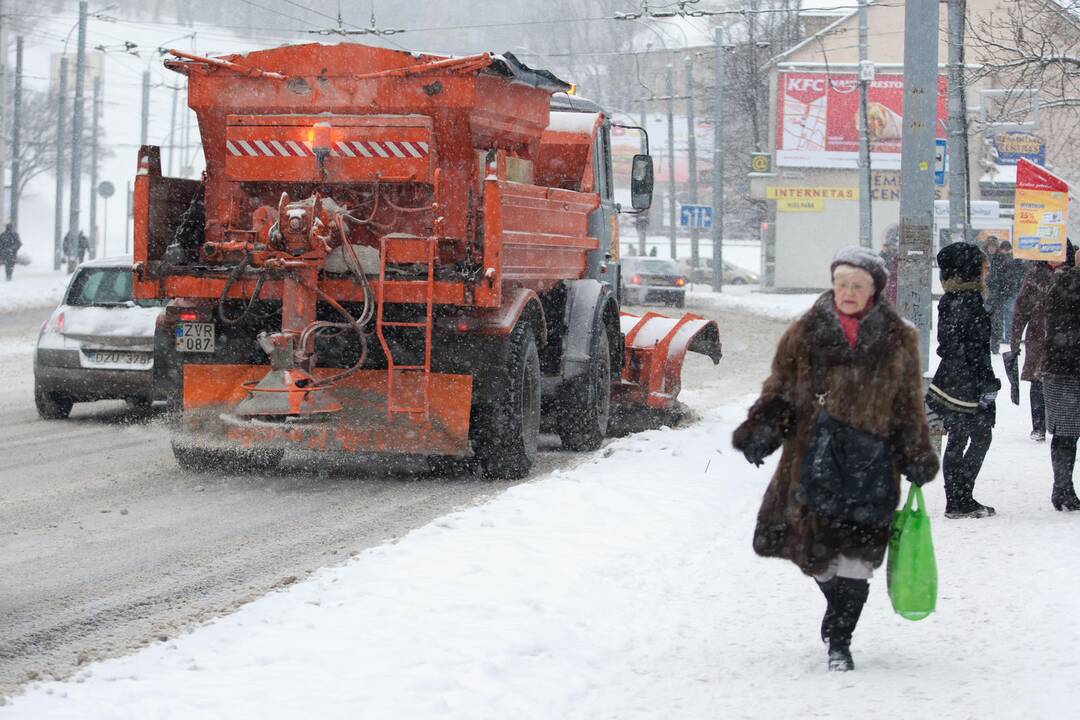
{"x":641,"y":182}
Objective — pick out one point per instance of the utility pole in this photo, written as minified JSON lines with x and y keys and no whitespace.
{"x":957,"y":148}
{"x":673,"y":234}
{"x":3,"y":102}
{"x":77,"y":132}
{"x":718,"y":164}
{"x":641,"y":221}
{"x":691,"y":155}
{"x":172,"y":128}
{"x":917,"y":167}
{"x":95,"y":111}
{"x":58,"y":215}
{"x":145,"y":107}
{"x":16,"y":120}
{"x":866,"y":76}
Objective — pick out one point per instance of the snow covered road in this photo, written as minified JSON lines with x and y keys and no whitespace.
{"x":625,"y":587}
{"x":106,"y":545}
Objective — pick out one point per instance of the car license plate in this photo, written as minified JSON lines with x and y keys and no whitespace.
{"x":119,"y":357}
{"x":195,"y":337}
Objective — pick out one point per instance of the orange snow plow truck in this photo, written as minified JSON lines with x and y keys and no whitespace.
{"x":395,"y":253}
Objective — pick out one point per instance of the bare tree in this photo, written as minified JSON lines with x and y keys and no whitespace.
{"x":37,"y":149}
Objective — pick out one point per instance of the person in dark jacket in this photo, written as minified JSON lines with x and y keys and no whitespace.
{"x":850,"y":341}
{"x":1030,"y":316}
{"x":1012,"y":274}
{"x":1061,"y":378}
{"x":964,"y":388}
{"x":9,"y":249}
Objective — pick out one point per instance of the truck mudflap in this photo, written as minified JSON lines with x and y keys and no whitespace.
{"x":655,"y":348}
{"x":362,"y":425}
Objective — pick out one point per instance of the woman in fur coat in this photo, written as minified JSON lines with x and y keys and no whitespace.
{"x":854,"y":350}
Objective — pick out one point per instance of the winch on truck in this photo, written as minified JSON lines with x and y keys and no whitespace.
{"x":397,"y":253}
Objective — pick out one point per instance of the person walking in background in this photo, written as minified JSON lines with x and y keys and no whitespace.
{"x":9,"y":249}
{"x":1061,"y":377}
{"x":1029,"y":325}
{"x":993,"y":290}
{"x":1012,"y":274}
{"x":850,"y":341}
{"x":83,"y":246}
{"x":964,"y":388}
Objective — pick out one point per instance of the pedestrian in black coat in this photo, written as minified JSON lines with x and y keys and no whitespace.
{"x":964,"y":388}
{"x":9,"y":249}
{"x":1061,"y":378}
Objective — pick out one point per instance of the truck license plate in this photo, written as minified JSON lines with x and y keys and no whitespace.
{"x":195,"y":337}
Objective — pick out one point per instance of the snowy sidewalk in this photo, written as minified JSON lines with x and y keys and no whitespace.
{"x":32,"y":287}
{"x":627,"y":588}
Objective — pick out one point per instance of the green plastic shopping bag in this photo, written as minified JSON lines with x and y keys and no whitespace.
{"x":911,"y":571}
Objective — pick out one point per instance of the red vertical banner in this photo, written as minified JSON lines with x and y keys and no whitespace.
{"x":1042,"y":213}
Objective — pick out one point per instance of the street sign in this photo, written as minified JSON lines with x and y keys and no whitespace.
{"x":941,"y":160}
{"x":760,"y":162}
{"x":105,"y":189}
{"x":695,"y":216}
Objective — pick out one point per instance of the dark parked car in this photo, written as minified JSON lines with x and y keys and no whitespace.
{"x":651,"y":279}
{"x":98,"y":344}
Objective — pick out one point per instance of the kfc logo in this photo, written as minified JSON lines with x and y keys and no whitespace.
{"x":805,"y":89}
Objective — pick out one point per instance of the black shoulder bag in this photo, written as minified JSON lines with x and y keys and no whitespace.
{"x":846,"y":474}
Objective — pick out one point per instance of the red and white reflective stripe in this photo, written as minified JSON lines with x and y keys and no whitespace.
{"x":348,"y":148}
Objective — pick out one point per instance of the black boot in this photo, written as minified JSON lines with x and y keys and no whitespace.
{"x":849,"y":599}
{"x":828,"y":589}
{"x":1063,"y":458}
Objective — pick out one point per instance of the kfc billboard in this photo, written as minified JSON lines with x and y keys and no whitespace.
{"x":818,"y":119}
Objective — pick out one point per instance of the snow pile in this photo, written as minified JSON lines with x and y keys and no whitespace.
{"x":32,"y":287}
{"x":774,"y":305}
{"x":627,"y":588}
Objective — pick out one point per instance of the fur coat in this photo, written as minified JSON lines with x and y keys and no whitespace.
{"x":875,"y":387}
{"x":1061,"y":354}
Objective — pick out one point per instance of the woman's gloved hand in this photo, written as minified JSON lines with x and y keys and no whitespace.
{"x":987,"y":398}
{"x":755,"y":451}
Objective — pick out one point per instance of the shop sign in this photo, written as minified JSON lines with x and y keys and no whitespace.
{"x":784,"y":192}
{"x":1041,"y":212}
{"x":1010,"y":147}
{"x":800,"y":205}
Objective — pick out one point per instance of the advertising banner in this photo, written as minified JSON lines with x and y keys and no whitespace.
{"x":1042,"y":210}
{"x":818,"y":119}
{"x":1009,"y":147}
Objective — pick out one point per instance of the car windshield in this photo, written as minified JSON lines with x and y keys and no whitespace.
{"x":104,"y":286}
{"x":654,"y":265}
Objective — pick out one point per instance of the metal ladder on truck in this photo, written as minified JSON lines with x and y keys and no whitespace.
{"x":406,"y":250}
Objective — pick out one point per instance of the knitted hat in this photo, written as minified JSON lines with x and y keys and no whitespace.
{"x":960,"y":260}
{"x":864,"y":259}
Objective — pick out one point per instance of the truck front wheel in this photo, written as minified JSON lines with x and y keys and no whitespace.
{"x":584,"y":405}
{"x":508,"y":431}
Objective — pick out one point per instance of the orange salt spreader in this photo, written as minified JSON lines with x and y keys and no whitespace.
{"x":394,"y":252}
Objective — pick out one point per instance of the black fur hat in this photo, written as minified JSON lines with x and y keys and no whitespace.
{"x":960,"y":260}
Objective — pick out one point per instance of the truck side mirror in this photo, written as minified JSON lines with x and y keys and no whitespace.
{"x":641,"y":182}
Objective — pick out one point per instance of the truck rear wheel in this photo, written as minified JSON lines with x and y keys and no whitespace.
{"x":200,"y":459}
{"x":508,"y":432}
{"x":584,"y":405}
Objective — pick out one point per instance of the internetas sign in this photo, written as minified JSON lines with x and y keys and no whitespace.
{"x":818,"y":119}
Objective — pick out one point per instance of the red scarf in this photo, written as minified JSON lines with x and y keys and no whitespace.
{"x":850,"y":323}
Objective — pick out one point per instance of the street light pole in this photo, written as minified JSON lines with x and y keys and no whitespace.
{"x":673,"y":234}
{"x":691,"y":156}
{"x":957,"y":147}
{"x":865,"y":73}
{"x":917,"y":167}
{"x":718,"y":164}
{"x":77,"y":131}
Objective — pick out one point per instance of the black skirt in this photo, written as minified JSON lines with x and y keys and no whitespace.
{"x":1062,"y":394}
